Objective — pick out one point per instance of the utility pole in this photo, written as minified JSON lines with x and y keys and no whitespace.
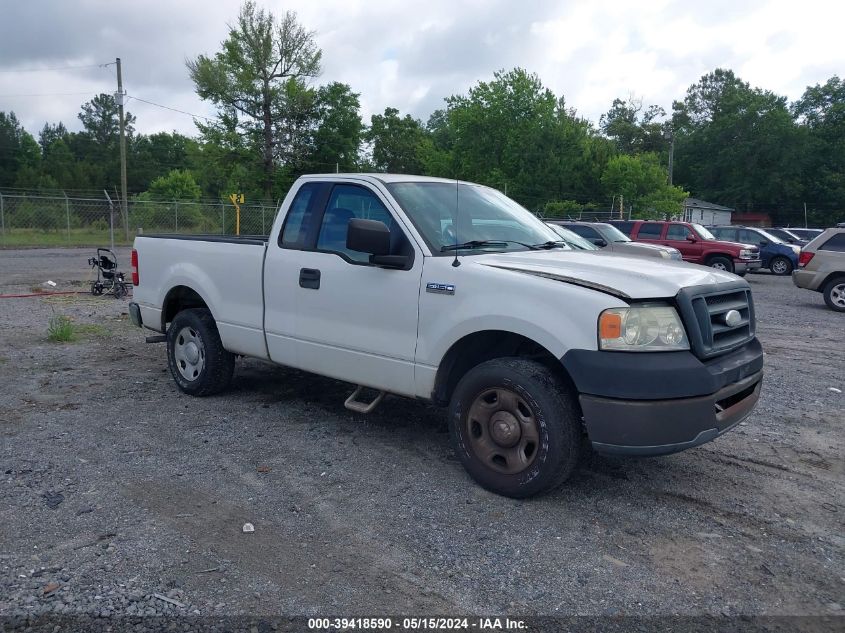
{"x":670,"y":135}
{"x":119,"y":98}
{"x":805,"y":215}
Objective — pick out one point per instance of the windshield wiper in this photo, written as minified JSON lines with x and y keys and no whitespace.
{"x":500,"y":244}
{"x":547,"y":245}
{"x":473,"y":244}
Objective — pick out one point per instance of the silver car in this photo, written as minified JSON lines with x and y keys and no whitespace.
{"x":608,"y":237}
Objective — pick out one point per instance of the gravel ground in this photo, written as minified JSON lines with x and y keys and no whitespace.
{"x":121,"y":496}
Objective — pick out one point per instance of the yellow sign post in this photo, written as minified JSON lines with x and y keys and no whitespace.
{"x":237,"y":200}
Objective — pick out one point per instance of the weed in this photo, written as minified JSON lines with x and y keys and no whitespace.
{"x":60,"y":329}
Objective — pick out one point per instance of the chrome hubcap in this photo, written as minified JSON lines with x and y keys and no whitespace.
{"x":502,"y":431}
{"x":779,"y":266}
{"x":719,"y":266}
{"x":837,"y":295}
{"x":189,"y":353}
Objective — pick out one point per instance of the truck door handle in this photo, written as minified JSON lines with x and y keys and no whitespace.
{"x":309,"y":278}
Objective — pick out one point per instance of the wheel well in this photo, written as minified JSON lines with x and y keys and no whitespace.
{"x":479,"y":347}
{"x":179,"y":298}
{"x":710,"y":256}
{"x":830,"y":278}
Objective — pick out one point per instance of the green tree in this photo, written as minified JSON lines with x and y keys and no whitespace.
{"x":18,"y":150}
{"x":643,"y":185}
{"x":821,"y":114}
{"x":736,"y":144}
{"x":251,"y":76}
{"x":395,"y":142}
{"x":337,"y":139}
{"x":176,"y":185}
{"x":633,"y":130}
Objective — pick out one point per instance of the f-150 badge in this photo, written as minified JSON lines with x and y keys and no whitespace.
{"x":441,"y":289}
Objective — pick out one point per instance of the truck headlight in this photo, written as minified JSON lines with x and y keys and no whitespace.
{"x":746,"y":254}
{"x":654,"y":328}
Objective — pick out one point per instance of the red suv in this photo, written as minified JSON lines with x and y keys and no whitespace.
{"x":696,"y":243}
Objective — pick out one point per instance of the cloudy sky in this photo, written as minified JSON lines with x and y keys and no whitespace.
{"x":411,"y":54}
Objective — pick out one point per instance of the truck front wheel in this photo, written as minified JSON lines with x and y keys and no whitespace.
{"x":721,"y":263}
{"x":197,"y":359}
{"x":515,"y":427}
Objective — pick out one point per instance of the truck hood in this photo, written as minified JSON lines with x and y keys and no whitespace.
{"x":616,"y":274}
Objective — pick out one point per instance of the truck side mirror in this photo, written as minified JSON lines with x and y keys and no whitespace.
{"x":368,"y":236}
{"x":691,"y":238}
{"x":599,"y":242}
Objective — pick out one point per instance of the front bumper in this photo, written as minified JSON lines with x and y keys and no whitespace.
{"x":637,"y":404}
{"x":742,"y":266}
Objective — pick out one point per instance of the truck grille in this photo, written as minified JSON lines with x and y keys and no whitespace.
{"x":705,"y":316}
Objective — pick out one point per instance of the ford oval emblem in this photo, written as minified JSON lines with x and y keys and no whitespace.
{"x":733,"y":318}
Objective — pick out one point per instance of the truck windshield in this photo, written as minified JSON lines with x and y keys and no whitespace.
{"x":703,"y":233}
{"x":483,"y":215}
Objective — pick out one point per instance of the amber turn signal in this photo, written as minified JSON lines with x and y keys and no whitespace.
{"x":610,"y":325}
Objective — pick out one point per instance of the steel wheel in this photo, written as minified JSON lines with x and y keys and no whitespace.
{"x":718,"y":266}
{"x":189,"y":353}
{"x":502,"y":431}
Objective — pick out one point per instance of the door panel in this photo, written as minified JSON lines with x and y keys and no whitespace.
{"x":676,"y":237}
{"x":351,"y":320}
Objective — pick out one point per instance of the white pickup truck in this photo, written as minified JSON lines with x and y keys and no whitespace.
{"x":452,"y":293}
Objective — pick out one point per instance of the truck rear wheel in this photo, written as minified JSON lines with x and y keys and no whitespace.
{"x":197,"y":359}
{"x":515,"y":427}
{"x":721,"y":263}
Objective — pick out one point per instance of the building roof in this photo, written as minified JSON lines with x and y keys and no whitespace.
{"x":695,"y":203}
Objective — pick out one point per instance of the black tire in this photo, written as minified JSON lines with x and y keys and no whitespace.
{"x":120,"y":290}
{"x":780,"y":266}
{"x":553,"y":410}
{"x":834,"y":291}
{"x":96,"y":289}
{"x":212,"y":370}
{"x":721,"y":263}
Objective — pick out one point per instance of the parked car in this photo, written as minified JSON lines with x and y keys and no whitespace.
{"x":805,"y":234}
{"x":608,"y":237}
{"x":572,"y":239}
{"x":778,"y":257}
{"x":531,"y":345}
{"x":696,"y":243}
{"x":787,"y":236}
{"x":821,"y":267}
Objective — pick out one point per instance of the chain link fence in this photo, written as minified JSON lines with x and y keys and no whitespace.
{"x":43,"y":220}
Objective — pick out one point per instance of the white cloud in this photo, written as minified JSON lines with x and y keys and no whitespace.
{"x":410,"y":55}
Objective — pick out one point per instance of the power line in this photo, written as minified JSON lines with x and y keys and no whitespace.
{"x":36,"y":70}
{"x":158,"y":105}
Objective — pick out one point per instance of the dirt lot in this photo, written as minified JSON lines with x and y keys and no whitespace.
{"x":116,"y":487}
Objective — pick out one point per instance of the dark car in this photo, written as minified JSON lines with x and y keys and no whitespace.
{"x":777,"y":256}
{"x":787,"y":235}
{"x":805,"y":234}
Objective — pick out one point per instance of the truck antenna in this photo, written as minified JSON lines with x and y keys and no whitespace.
{"x":456,"y":262}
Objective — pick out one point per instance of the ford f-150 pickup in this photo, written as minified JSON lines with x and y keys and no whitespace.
{"x":451,"y":292}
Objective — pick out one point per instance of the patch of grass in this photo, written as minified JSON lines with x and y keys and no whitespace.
{"x":60,"y":329}
{"x":91,"y":329}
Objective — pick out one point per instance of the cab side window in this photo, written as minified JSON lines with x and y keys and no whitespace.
{"x":677,"y":232}
{"x":751,"y":237}
{"x":345,"y":203}
{"x":650,"y":231}
{"x":298,"y":217}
